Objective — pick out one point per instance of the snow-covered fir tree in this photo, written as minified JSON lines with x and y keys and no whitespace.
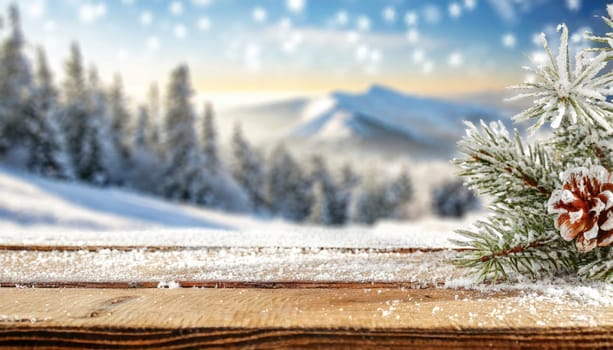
{"x":15,"y":84}
{"x":144,"y":169}
{"x":98,"y":160}
{"x":320,"y":212}
{"x":74,"y":116}
{"x":120,"y":118}
{"x":369,"y":203}
{"x":289,"y":188}
{"x":335,"y":200}
{"x":453,"y":199}
{"x":183,"y":176}
{"x":155,"y":116}
{"x":347,"y":184}
{"x":47,"y":153}
{"x":378,"y":198}
{"x":209,"y":139}
{"x":400,"y":193}
{"x":248,"y":169}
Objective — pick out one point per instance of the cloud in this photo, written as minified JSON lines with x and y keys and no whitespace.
{"x":91,"y":12}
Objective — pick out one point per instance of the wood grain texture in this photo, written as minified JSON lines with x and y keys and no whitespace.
{"x":297,"y":318}
{"x":165,"y":248}
{"x":207,"y":266}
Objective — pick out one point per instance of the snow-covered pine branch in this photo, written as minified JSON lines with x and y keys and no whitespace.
{"x":552,"y":201}
{"x":560,"y":92}
{"x":502,"y":166}
{"x":515,"y":245}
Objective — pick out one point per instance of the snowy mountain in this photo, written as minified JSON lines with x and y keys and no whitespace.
{"x":379,"y":122}
{"x":385,"y":121}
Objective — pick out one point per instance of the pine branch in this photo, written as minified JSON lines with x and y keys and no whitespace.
{"x":508,"y":247}
{"x":498,"y":165}
{"x":598,"y":265}
{"x":575,"y":143}
{"x":514,"y":250}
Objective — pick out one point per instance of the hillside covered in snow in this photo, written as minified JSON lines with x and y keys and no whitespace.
{"x":42,"y":211}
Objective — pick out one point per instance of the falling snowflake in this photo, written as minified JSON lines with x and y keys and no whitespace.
{"x":410,"y":18}
{"x":509,"y":40}
{"x":259,"y":15}
{"x":89,"y":13}
{"x":573,"y":5}
{"x":389,"y":14}
{"x":413,"y":36}
{"x":153,"y":43}
{"x":180,"y":31}
{"x":418,"y":56}
{"x":363,"y":23}
{"x":204,"y":24}
{"x":455,"y":10}
{"x":342,"y":18}
{"x":456,"y":59}
{"x":432,"y":14}
{"x":176,"y":8}
{"x":296,"y":5}
{"x":146,"y":18}
{"x":470,"y":4}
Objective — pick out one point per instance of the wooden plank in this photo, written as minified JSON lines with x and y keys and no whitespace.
{"x":223,"y":284}
{"x":209,"y":266}
{"x":297,"y":318}
{"x":170,"y":248}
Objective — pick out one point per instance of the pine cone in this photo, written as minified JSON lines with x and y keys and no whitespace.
{"x":585,"y":207}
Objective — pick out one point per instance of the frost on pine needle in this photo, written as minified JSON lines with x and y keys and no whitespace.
{"x":564,"y":94}
{"x":607,"y":38}
{"x":552,"y":201}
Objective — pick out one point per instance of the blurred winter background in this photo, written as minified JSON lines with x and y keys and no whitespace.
{"x":228,"y":114}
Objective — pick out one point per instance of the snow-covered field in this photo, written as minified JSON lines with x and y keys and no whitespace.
{"x":35,"y":210}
